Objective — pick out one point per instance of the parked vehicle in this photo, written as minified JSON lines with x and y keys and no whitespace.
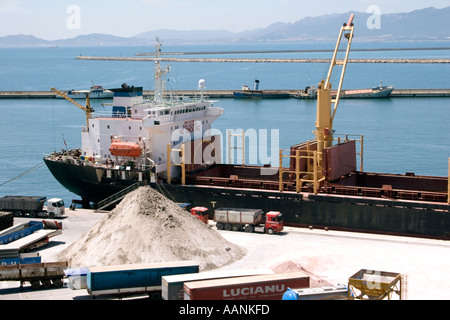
{"x":262,"y":287}
{"x":23,"y":258}
{"x":172,"y":286}
{"x":27,"y":236}
{"x":134,"y":278}
{"x":338,"y":292}
{"x":249,"y":220}
{"x":33,"y":206}
{"x":201,"y":213}
{"x":19,"y":231}
{"x":39,"y":275}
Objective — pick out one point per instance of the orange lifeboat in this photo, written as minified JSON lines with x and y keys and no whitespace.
{"x":125,"y":149}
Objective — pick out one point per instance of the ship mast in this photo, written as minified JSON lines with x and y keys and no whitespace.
{"x":160,"y":87}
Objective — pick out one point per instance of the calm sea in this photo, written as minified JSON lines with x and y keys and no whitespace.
{"x":401,"y":134}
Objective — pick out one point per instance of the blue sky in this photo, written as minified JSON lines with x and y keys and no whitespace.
{"x":55,"y":19}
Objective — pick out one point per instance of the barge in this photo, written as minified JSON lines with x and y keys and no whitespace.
{"x":322,"y":187}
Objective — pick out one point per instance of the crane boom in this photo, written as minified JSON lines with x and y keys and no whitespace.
{"x":325,"y":114}
{"x":87,"y":109}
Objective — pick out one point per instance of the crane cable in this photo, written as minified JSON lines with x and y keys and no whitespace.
{"x":23,"y":174}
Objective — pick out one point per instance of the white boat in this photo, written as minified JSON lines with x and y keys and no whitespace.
{"x":95,"y":92}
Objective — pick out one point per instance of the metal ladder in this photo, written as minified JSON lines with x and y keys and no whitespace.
{"x":117,"y":196}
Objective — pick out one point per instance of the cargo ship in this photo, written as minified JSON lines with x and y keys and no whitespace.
{"x":380,"y":91}
{"x":324,"y":185}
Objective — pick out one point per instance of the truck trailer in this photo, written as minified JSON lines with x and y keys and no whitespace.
{"x":130,"y":279}
{"x":262,"y":287}
{"x":20,"y":231}
{"x":33,"y":206}
{"x":38,"y":274}
{"x":173,"y":286}
{"x":249,"y":220}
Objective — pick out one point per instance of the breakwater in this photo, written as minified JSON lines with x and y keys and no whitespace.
{"x":397,"y":93}
{"x":255,"y":60}
{"x":286,"y":51}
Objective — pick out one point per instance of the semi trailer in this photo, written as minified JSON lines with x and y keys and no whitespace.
{"x":260,"y":287}
{"x":172,"y":286}
{"x":249,"y":220}
{"x":38,"y":275}
{"x":33,"y":206}
{"x":131,"y":279}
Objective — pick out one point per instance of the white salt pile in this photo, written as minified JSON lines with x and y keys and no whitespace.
{"x":147,"y":227}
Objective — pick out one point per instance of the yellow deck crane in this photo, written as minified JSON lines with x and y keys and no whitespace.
{"x":308,"y":157}
{"x":325,"y":114}
{"x":326,"y":106}
{"x":87,"y":109}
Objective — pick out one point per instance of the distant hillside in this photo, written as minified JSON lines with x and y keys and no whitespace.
{"x":424,"y":24}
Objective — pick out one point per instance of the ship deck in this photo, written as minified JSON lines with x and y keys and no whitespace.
{"x":358,"y":184}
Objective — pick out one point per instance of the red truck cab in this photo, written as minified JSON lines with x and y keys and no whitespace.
{"x":274,"y":222}
{"x":201,"y":213}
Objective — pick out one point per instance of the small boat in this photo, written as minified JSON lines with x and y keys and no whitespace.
{"x":95,"y":92}
{"x":247,"y":93}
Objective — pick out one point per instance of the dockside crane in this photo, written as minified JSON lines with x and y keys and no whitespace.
{"x":87,"y":109}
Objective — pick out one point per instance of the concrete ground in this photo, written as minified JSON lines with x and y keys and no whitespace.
{"x":331,"y":256}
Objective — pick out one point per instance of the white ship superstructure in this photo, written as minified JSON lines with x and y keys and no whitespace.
{"x":137,"y":132}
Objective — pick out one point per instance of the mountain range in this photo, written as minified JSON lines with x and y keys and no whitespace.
{"x":423,"y":24}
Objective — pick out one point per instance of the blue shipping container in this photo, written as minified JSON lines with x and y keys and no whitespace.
{"x":110,"y":278}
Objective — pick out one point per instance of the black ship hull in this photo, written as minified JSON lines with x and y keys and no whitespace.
{"x":334,"y":212}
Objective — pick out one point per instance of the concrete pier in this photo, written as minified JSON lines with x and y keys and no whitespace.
{"x":254,"y":60}
{"x":216,"y":94}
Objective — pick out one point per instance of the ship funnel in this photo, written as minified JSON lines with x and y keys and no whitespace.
{"x":256,"y":86}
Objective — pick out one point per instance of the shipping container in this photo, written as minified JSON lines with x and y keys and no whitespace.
{"x":173,"y":286}
{"x":134,"y":278}
{"x":263,"y":287}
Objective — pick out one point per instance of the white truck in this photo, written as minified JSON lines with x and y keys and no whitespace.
{"x":33,"y":206}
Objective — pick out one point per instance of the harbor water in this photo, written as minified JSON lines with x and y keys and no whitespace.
{"x":400,"y":134}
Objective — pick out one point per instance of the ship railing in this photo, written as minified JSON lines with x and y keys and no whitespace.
{"x":177,"y":99}
{"x":108,"y":114}
{"x":117,"y":196}
{"x":311,"y":174}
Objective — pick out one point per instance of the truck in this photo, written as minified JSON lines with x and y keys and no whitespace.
{"x":121,"y":280}
{"x":39,"y":275}
{"x":200,"y":213}
{"x":259,"y":287}
{"x":27,"y":236}
{"x":249,"y":220}
{"x":33,"y":206}
{"x":172,"y":286}
{"x":338,"y":292}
